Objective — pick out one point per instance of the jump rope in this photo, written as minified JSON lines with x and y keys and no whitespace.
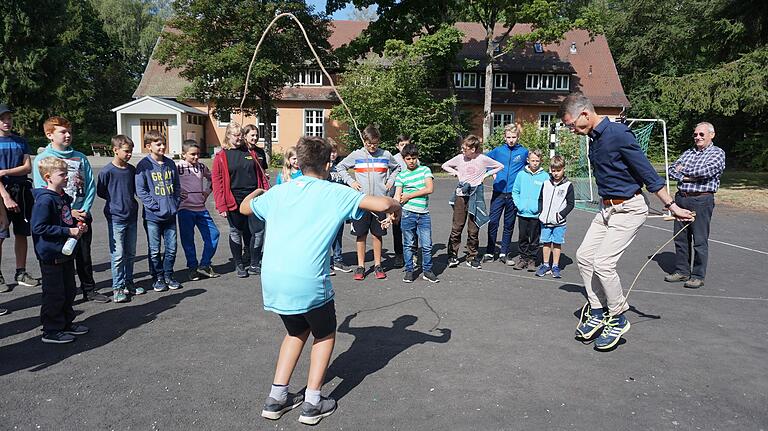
{"x":386,"y":222}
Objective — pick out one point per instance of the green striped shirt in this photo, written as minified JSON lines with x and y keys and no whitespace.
{"x":412,"y":181}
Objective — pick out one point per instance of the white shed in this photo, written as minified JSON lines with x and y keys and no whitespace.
{"x":176,"y":121}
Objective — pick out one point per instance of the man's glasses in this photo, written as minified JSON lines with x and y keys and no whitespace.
{"x":700,"y":134}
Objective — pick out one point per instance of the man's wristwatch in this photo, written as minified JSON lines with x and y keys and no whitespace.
{"x":667,"y":205}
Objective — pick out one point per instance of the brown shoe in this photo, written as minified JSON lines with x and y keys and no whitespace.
{"x":532,"y":267}
{"x":676,"y":277}
{"x":521,"y":264}
{"x":694,"y":283}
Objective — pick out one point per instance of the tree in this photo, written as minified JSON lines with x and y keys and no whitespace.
{"x":213,"y":43}
{"x":405,"y":20}
{"x":391,"y":91}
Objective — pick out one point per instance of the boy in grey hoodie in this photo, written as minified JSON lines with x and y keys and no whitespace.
{"x":375,"y":173}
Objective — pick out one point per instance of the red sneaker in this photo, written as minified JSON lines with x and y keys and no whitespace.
{"x":380,"y":274}
{"x":359,"y":273}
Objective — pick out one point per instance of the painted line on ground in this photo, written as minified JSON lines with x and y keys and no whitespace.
{"x":562,"y":281}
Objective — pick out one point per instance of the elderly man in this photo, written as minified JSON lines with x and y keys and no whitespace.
{"x":621,"y":169}
{"x":697,"y":173}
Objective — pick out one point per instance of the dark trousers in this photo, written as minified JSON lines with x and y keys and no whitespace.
{"x":59,"y":290}
{"x":245,"y":238}
{"x":501,"y":202}
{"x":694,"y":240}
{"x":528,"y":240}
{"x":397,"y":233}
{"x":83,"y":259}
{"x":460,"y":217}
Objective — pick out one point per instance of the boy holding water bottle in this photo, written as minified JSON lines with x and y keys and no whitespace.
{"x":52,"y":225}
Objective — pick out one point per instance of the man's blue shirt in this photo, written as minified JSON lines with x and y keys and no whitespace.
{"x":302,"y":218}
{"x":513,"y":159}
{"x":620,"y":167}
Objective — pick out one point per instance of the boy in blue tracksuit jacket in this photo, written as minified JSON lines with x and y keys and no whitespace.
{"x":513,"y":156}
{"x":52,"y":224}
{"x":525,"y":193}
{"x":158,"y":188}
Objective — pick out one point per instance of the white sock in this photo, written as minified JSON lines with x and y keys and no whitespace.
{"x":312,"y":396}
{"x":279,"y":393}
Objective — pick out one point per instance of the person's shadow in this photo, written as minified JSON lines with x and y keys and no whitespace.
{"x":373,"y":348}
{"x":105,"y":327}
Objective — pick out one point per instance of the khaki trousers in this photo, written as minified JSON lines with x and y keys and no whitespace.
{"x":609,"y":234}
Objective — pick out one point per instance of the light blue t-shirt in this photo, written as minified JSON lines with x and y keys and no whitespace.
{"x":302,"y":218}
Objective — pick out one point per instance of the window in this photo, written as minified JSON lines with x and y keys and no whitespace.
{"x":313,"y":122}
{"x":538,"y":48}
{"x":481,"y":80}
{"x":562,"y":82}
{"x":263,"y":130}
{"x":547,"y":82}
{"x":457,"y":79}
{"x":469,"y":80}
{"x":500,"y":80}
{"x":532,"y":81}
{"x":223,"y":117}
{"x":501,"y":119}
{"x":546,"y":118}
{"x":309,"y":77}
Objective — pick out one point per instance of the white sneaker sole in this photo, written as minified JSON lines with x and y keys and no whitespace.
{"x":278,"y":414}
{"x":24,"y":283}
{"x":615,"y":340}
{"x":314,"y":420}
{"x":431,"y":281}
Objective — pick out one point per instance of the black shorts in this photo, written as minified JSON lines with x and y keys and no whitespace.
{"x":369,"y":222}
{"x":22,"y":195}
{"x":321,"y":321}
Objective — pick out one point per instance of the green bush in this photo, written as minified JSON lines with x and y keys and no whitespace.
{"x":753,"y":152}
{"x":534,"y":138}
{"x":276,"y":161}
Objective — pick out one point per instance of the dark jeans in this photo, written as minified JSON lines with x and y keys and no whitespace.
{"x":245,"y":238}
{"x":161,"y":264}
{"x":83,"y":259}
{"x":694,"y":240}
{"x":397,"y":232}
{"x":501,"y":202}
{"x":460,"y":217}
{"x":59,"y":291}
{"x":528,"y":240}
{"x":336,"y":246}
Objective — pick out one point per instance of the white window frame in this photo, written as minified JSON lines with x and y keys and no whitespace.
{"x":500,"y":116}
{"x":275,"y":129}
{"x":497,"y":77}
{"x":221,"y":123}
{"x":457,"y":79}
{"x":481,"y":80}
{"x":547,"y":82}
{"x":531,"y":77}
{"x":563,"y":82}
{"x":469,"y":80}
{"x":552,"y":116}
{"x":311,"y":129}
{"x":310,"y":77}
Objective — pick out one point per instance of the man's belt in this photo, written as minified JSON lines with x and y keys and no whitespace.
{"x":616,"y":200}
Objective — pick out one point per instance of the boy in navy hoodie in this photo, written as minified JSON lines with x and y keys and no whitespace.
{"x":158,"y":188}
{"x":52,"y":225}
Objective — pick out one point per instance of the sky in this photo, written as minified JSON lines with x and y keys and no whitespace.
{"x":319,"y":5}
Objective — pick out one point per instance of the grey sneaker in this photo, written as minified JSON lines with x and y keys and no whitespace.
{"x":274,"y":409}
{"x":207,"y":271}
{"x":474,"y":263}
{"x":408,"y":277}
{"x":57,"y":338}
{"x":676,"y":277}
{"x":3,"y":287}
{"x":254,"y":270}
{"x":339,"y":266}
{"x":453,"y":262}
{"x":430,"y":277}
{"x":76,"y":329}
{"x":25,"y":279}
{"x":532,"y":267}
{"x":193,"y":274}
{"x":241,"y":271}
{"x":521,"y":264}
{"x":312,"y":414}
{"x":694,"y":283}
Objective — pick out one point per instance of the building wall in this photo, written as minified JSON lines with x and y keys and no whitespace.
{"x":131,"y":126}
{"x":523,"y":114}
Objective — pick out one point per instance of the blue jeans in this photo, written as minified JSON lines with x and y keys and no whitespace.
{"x":157,"y":232}
{"x":501,"y":202}
{"x":416,"y":224}
{"x":336,"y":247}
{"x":202,"y":219}
{"x":122,"y":250}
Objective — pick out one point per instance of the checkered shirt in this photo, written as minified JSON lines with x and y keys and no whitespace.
{"x":702,"y":168}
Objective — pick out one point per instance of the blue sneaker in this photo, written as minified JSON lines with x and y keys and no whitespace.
{"x":587,"y":329}
{"x":543,"y":270}
{"x":614,"y":328}
{"x":556,"y":271}
{"x":159,"y":285}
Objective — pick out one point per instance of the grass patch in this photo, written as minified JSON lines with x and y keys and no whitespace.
{"x":744,"y":189}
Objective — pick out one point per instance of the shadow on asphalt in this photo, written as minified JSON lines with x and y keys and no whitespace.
{"x":107,"y":266}
{"x":105,"y":327}
{"x":666,"y":261}
{"x":373,"y":348}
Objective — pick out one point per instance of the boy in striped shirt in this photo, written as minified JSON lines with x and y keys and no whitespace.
{"x":412,"y":189}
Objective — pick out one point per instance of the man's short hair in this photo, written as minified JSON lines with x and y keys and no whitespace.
{"x":536,"y":152}
{"x":51,"y":123}
{"x":410,"y":150}
{"x":709,"y":126}
{"x":51,"y":164}
{"x":474,"y":142}
{"x":574,"y":104}
{"x":151,"y":136}
{"x":313,"y":153}
{"x":371,"y":133}
{"x":187,"y":144}
{"x":557,"y":162}
{"x":119,"y":141}
{"x":403,"y":138}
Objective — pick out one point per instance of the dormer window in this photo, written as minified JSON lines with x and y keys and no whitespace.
{"x":501,"y":80}
{"x":573,"y":47}
{"x":309,"y":77}
{"x":465,"y":79}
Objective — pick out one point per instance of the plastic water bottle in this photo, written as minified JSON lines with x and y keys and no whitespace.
{"x":69,"y":247}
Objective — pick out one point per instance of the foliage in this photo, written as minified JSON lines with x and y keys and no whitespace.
{"x":391,"y":91}
{"x":754,"y":152}
{"x":534,"y":138}
{"x":214,"y":42}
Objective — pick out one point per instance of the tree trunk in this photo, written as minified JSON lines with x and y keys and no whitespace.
{"x":266,"y":115}
{"x":488,"y":94}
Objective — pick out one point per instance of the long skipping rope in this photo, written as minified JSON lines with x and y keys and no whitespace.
{"x":325,"y":72}
{"x":426,"y":303}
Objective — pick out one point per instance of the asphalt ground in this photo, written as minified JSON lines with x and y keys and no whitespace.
{"x":484,"y":349}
